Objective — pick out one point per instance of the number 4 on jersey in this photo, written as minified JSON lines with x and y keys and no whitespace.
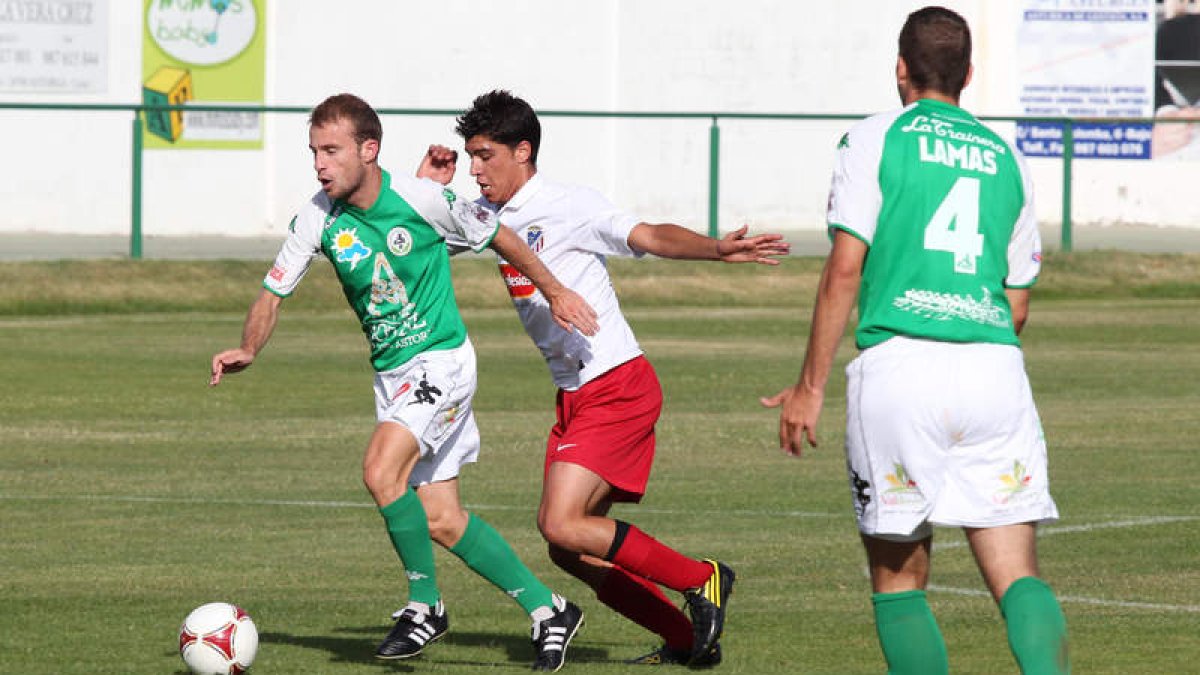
{"x":954,"y":227}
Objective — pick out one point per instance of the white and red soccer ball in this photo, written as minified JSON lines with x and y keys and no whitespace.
{"x":218,"y":639}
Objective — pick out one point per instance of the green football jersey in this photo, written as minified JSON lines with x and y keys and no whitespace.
{"x":946,"y":208}
{"x":393,"y":262}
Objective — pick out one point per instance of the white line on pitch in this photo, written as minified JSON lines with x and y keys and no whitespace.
{"x":1079,"y":600}
{"x":1090,"y":527}
{"x":367,"y":505}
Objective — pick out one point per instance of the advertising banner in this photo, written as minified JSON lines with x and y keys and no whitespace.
{"x":1088,"y":59}
{"x":54,"y":46}
{"x":203,"y":52}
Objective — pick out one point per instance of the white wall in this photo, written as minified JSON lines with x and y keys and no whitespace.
{"x":69,"y":172}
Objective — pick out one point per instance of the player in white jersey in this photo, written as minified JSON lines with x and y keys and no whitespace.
{"x":388,"y":239}
{"x":602,"y":446}
{"x":941,"y":425}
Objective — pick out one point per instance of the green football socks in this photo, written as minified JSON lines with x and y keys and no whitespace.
{"x":489,"y":555}
{"x":909,"y":635}
{"x":409,"y":530}
{"x":1037,"y":629}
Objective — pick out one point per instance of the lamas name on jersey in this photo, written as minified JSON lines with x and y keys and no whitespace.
{"x":966,"y":156}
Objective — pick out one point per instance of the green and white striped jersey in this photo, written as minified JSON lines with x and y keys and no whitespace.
{"x":946,"y":208}
{"x":392,"y":260}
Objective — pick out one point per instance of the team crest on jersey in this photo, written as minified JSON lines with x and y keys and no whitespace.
{"x":350,"y":248}
{"x":399,"y":241}
{"x":449,"y":196}
{"x":533,"y":237}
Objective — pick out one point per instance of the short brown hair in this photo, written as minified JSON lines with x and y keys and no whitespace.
{"x":353,"y":109}
{"x":935,"y":44}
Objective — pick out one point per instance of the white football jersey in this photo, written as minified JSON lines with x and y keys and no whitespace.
{"x":571,"y":229}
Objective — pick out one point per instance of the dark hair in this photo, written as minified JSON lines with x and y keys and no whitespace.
{"x":935,"y":44}
{"x":353,"y":109}
{"x":504,"y":118}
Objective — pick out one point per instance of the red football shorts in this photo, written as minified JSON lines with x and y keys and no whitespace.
{"x":607,"y":426}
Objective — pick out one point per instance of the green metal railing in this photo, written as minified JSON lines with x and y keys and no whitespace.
{"x":714,"y":142}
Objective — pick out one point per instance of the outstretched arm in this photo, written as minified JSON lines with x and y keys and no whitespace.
{"x":668,"y":240}
{"x":802,"y":402}
{"x":568,"y":308}
{"x":260,"y":323}
{"x":438,"y":164}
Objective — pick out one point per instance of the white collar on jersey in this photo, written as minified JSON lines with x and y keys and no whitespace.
{"x":527,"y":191}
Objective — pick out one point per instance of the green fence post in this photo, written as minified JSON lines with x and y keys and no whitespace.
{"x":135,"y":232}
{"x":1068,"y":156}
{"x":714,"y":180}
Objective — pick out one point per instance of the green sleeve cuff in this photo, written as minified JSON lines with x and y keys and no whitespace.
{"x":847,"y":230}
{"x":1022,"y":287}
{"x":490,"y":239}
{"x":272,"y":291}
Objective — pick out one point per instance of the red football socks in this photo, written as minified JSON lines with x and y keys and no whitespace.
{"x":644,"y":556}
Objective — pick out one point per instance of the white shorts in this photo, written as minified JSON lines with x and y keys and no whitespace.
{"x":944,"y":434}
{"x":431,"y":397}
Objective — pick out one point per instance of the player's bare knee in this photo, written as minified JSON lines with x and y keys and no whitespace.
{"x":372,"y":478}
{"x":557,"y":532}
{"x":382,"y":484}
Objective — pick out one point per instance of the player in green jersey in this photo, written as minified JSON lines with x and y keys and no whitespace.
{"x":388,"y":239}
{"x":933,"y":228}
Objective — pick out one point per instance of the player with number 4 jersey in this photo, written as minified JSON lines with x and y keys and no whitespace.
{"x":932,"y":220}
{"x":932,"y":162}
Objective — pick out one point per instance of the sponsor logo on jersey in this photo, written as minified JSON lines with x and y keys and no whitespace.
{"x":449,"y":196}
{"x":350,"y":248}
{"x":944,"y":128}
{"x":952,"y":306}
{"x":399,"y":241}
{"x":277,"y":273}
{"x":534,"y":237}
{"x":292,"y":225}
{"x":845,"y":141}
{"x":519,"y":285}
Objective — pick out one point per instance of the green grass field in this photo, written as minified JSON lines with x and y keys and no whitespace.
{"x":130,"y":492}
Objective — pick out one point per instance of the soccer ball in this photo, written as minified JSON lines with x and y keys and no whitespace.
{"x":218,"y":639}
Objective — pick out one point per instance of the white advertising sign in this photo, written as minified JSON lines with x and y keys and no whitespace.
{"x":1086,"y":59}
{"x":54,"y":46}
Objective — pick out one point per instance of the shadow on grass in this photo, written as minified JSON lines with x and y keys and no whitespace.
{"x":518,"y":649}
